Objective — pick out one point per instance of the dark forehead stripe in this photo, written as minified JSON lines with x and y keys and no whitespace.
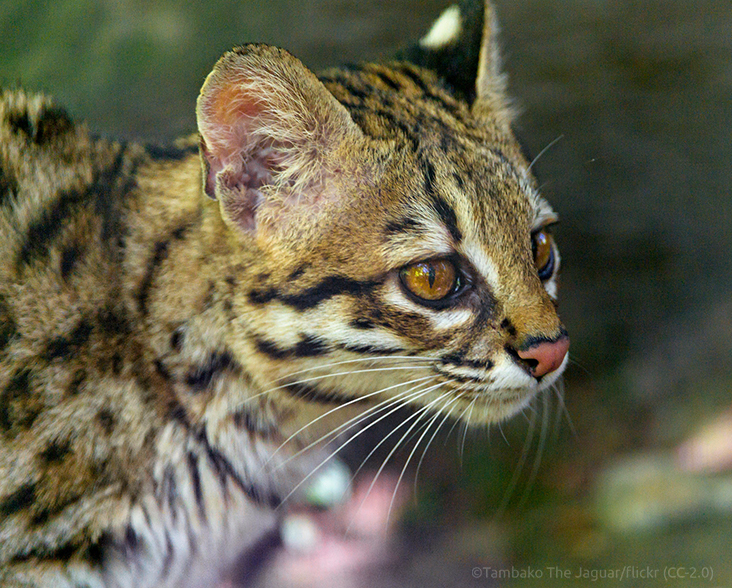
{"x":439,"y":204}
{"x":402,"y":225}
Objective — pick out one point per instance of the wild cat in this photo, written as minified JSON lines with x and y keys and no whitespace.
{"x":177,"y":325}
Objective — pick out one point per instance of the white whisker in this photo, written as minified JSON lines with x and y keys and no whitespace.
{"x":340,"y":406}
{"x":418,"y":415}
{"x":429,"y":424}
{"x":347,"y":442}
{"x":539,"y":451}
{"x":543,"y":151}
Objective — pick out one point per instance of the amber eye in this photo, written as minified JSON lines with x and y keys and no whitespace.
{"x":542,"y":245}
{"x":430,"y":280}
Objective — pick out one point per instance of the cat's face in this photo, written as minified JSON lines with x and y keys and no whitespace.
{"x":404,"y":252}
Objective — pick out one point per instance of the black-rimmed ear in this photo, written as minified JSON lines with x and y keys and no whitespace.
{"x":267,"y":128}
{"x":462,"y":48}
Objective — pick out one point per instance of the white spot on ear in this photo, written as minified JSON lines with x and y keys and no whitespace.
{"x":445,"y":29}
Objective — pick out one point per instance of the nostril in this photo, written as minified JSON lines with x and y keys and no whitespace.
{"x":545,"y":357}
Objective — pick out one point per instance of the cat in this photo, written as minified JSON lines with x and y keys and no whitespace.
{"x":178,"y":326}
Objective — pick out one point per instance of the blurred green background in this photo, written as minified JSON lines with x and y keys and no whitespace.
{"x":640,"y":92}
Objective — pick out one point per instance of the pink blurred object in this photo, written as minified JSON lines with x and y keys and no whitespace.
{"x":710,"y":450}
{"x":330,"y":548}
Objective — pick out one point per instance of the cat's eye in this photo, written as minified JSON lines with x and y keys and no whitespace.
{"x":431,"y":280}
{"x":542,"y":246}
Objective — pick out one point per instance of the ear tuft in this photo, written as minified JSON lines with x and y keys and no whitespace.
{"x":267,"y":126}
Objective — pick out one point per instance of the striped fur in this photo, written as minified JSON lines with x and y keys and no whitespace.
{"x":176,"y":327}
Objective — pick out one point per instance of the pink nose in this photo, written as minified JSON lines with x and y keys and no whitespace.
{"x":546,"y":356}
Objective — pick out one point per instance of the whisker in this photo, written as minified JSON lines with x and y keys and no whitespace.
{"x":399,"y":426}
{"x":347,"y":442}
{"x":340,"y":406}
{"x":444,"y":420}
{"x":332,"y":375}
{"x":414,"y":449}
{"x":558,"y":387}
{"x":419,"y":414}
{"x":459,"y":420}
{"x":543,"y":151}
{"x":465,"y":430}
{"x":519,"y":466}
{"x":539,"y":452}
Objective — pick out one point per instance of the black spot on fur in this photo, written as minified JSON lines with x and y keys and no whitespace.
{"x":299,"y":271}
{"x":307,"y":347}
{"x":113,"y":322}
{"x":196,"y":482}
{"x":51,"y":123}
{"x":169,"y":489}
{"x":225,"y":471}
{"x":162,"y":370}
{"x":55,"y":452}
{"x":177,"y":338}
{"x":20,"y":123}
{"x":76,"y":383}
{"x":63,"y":347}
{"x":200,"y":377}
{"x":391,"y":83}
{"x":21,"y":499}
{"x":94,"y":553}
{"x":170,"y":152}
{"x":271,"y":349}
{"x":507,"y":326}
{"x":69,"y":257}
{"x":160,"y":254}
{"x":262,"y":296}
{"x":106,"y":420}
{"x":244,"y":420}
{"x":16,"y":390}
{"x":372,"y":349}
{"x":48,"y":226}
{"x":8,"y":328}
{"x":8,"y":187}
{"x":131,"y":542}
{"x":118,"y":363}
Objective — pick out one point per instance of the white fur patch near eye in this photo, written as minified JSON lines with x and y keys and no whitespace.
{"x":483,"y":264}
{"x":445,"y":29}
{"x":448,"y":319}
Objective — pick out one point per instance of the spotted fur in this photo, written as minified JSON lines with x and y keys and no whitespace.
{"x":174,"y":320}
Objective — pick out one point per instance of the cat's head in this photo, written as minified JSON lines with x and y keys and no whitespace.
{"x":399,"y":247}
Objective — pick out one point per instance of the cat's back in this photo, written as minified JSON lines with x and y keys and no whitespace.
{"x":61,"y":191}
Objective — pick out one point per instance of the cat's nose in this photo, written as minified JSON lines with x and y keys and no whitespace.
{"x":545,"y":357}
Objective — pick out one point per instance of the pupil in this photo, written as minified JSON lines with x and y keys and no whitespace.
{"x":431,"y":275}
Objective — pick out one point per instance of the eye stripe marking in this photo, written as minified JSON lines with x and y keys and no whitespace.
{"x":311,"y":297}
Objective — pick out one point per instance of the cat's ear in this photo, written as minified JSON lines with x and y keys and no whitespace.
{"x":462,"y":48}
{"x":268,"y":128}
